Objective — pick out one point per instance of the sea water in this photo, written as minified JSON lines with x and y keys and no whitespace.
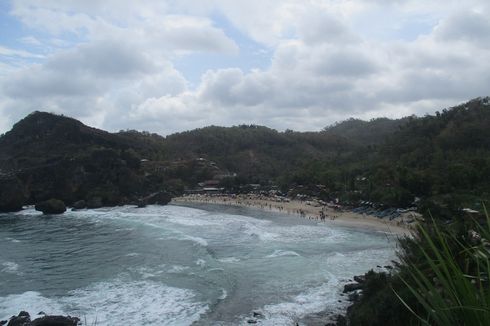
{"x":180,"y":265}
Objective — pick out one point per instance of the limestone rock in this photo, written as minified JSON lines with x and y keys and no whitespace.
{"x":51,"y":206}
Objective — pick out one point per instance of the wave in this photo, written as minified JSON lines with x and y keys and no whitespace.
{"x":283,"y":253}
{"x":177,"y":269}
{"x":313,"y":300}
{"x":223,"y":295}
{"x":31,"y":301}
{"x":200,"y":262}
{"x":11,"y":268}
{"x":229,"y":260}
{"x":114,"y":303}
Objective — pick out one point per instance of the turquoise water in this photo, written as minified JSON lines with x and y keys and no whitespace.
{"x":176,"y":265}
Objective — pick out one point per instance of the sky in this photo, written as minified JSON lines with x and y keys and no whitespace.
{"x":173,"y":65}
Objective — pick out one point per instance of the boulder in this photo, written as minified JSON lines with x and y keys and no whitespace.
{"x":56,"y":321}
{"x":81,"y":204}
{"x":159,"y":198}
{"x":354,"y":296}
{"x":22,"y":319}
{"x":258,"y":314}
{"x":352,"y":287}
{"x":51,"y":206}
{"x":141,"y":203}
{"x":360,"y":279}
{"x":94,"y":202}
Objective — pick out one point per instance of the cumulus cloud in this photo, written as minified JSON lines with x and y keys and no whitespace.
{"x":115,"y":63}
{"x":469,"y":26}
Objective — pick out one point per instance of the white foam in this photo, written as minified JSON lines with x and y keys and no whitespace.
{"x":177,"y":269}
{"x":191,"y":221}
{"x":229,"y":260}
{"x":311,"y":301}
{"x":197,"y":240}
{"x":133,"y":254}
{"x":223,"y":295}
{"x":28,"y":211}
{"x":32,"y":302}
{"x":200,"y":262}
{"x":10,"y":267}
{"x":140,"y":303}
{"x":182,"y":236}
{"x":309,"y":233}
{"x":283,"y":253}
{"x":114,"y":303}
{"x":13,"y":240}
{"x":260,"y":232}
{"x":147,"y":272}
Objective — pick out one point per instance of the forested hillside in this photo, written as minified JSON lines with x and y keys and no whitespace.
{"x":443,"y":160}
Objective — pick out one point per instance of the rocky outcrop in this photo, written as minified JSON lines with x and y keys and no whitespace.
{"x":51,"y":206}
{"x":157,"y":198}
{"x":56,"y":321}
{"x":81,"y":204}
{"x":360,"y":279}
{"x":94,"y":202}
{"x":24,"y":319}
{"x":352,"y":287}
{"x":12,"y":194}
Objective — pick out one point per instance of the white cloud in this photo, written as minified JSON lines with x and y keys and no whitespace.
{"x":4,"y":51}
{"x":330,"y":60}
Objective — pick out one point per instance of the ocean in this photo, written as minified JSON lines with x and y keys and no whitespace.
{"x":198,"y":264}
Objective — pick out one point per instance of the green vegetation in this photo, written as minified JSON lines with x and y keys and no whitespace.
{"x":442,"y":279}
{"x":443,"y":160}
{"x":451,"y":282}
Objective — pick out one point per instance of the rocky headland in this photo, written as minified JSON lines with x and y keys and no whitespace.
{"x":24,"y":319}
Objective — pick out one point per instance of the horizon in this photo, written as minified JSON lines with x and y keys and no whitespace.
{"x":223,"y":126}
{"x":170,"y":67}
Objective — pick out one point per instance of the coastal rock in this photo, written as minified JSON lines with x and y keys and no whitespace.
{"x":159,"y":198}
{"x":51,"y":206}
{"x":12,"y":195}
{"x":81,"y":204}
{"x":22,"y":319}
{"x":56,"y":321}
{"x":258,"y":314}
{"x":360,"y":279}
{"x":94,"y":202}
{"x":354,"y":296}
{"x":352,"y":287}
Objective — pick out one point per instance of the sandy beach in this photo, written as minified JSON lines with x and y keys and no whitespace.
{"x":303,"y":209}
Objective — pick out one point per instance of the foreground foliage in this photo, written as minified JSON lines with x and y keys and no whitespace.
{"x":450,"y":282}
{"x":442,"y":279}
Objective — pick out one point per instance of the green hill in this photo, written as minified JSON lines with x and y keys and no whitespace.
{"x":444,"y":159}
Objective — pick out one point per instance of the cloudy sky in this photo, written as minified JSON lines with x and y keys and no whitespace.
{"x":166,"y":66}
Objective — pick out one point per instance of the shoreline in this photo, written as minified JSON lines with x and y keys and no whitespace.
{"x":301,"y":209}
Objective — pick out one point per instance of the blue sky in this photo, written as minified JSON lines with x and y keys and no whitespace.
{"x":252,"y":55}
{"x":169,"y":66}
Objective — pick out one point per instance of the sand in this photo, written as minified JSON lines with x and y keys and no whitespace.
{"x":304,"y":209}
